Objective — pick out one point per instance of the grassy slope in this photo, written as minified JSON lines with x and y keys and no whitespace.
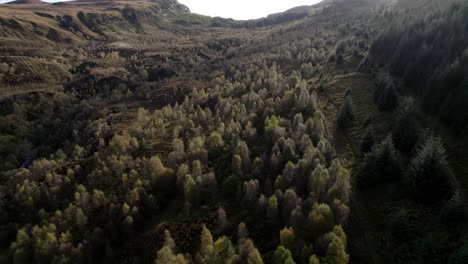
{"x":371,"y":207}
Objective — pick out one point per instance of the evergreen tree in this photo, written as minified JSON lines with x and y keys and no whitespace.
{"x":368,"y":140}
{"x":429,"y":173}
{"x":453,"y":213}
{"x":405,"y":128}
{"x":346,"y":113}
{"x":339,"y":59}
{"x":382,"y":164}
{"x":387,"y":97}
{"x":398,"y":226}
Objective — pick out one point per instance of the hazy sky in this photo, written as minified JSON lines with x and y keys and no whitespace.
{"x":237,"y":9}
{"x":243,"y":9}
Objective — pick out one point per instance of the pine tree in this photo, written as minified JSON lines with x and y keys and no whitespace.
{"x":346,"y":113}
{"x":382,"y":164}
{"x":387,"y":97}
{"x":453,"y":213}
{"x":368,"y":140}
{"x":405,"y":129}
{"x":399,"y":226}
{"x":339,"y":59}
{"x":429,"y":172}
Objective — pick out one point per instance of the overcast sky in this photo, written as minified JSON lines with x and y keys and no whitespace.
{"x":243,"y":9}
{"x":237,"y":9}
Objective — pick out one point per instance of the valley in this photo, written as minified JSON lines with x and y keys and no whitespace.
{"x":139,"y":132}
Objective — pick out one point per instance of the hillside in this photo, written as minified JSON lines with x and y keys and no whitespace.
{"x":139,"y":132}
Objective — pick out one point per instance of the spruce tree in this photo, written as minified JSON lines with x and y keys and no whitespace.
{"x":405,"y":128}
{"x":429,"y":173}
{"x":453,"y":213}
{"x":398,"y":226}
{"x":346,"y":113}
{"x":339,"y":59}
{"x":387,"y":97}
{"x":382,"y":164}
{"x":368,"y":140}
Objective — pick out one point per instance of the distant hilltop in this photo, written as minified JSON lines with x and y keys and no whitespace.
{"x":29,"y":2}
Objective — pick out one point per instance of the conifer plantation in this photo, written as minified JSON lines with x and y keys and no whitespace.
{"x":141,"y":132}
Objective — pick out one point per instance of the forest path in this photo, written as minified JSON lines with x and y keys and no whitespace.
{"x":11,"y":91}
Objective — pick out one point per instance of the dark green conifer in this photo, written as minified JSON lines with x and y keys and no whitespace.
{"x":429,"y":172}
{"x":368,"y":140}
{"x":346,"y":113}
{"x":339,"y":59}
{"x":382,"y":164}
{"x":387,"y":98}
{"x":405,"y":127}
{"x":399,"y":226}
{"x":453,"y":213}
